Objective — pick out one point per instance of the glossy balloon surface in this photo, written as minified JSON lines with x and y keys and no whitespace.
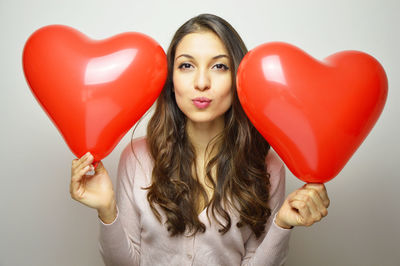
{"x":93,"y":90}
{"x":315,"y":114}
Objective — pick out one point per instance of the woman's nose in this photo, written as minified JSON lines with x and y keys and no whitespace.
{"x":202,"y":80}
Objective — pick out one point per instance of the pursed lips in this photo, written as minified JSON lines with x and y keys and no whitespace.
{"x":201,"y":102}
{"x":202,"y":99}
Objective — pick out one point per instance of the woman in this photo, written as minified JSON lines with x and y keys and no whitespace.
{"x":203,"y":187}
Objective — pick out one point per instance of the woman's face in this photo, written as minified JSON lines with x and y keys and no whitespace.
{"x":202,"y":77}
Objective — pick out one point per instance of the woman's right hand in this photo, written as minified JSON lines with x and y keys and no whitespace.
{"x":95,"y":191}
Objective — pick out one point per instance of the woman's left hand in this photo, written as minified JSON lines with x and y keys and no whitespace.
{"x":304,"y":207}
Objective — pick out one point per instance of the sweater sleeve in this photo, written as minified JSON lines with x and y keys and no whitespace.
{"x":119,"y":242}
{"x":272,"y":247}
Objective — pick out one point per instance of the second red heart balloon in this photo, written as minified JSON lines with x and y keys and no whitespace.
{"x":93,"y":90}
{"x":314,"y":114}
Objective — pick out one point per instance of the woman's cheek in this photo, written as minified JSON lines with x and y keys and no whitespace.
{"x":180,"y":102}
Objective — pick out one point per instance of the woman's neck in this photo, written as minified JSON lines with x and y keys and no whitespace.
{"x":200,"y":134}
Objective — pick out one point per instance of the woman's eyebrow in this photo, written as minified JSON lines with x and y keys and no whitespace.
{"x":220,"y":56}
{"x":191,"y":57}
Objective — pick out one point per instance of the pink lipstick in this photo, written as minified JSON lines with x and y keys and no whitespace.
{"x":201,"y":102}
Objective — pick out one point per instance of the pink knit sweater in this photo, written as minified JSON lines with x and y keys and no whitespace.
{"x":137,"y":238}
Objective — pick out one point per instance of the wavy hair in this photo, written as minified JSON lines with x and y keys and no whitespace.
{"x":241,"y":177}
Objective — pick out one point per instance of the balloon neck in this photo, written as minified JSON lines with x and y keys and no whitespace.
{"x":95,"y":164}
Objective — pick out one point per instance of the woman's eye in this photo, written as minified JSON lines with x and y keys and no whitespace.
{"x":221,"y":66}
{"x":184,"y":66}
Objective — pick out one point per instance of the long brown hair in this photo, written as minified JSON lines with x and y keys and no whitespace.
{"x":241,"y":177}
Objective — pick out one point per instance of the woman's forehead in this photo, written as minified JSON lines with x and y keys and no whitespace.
{"x":200,"y":44}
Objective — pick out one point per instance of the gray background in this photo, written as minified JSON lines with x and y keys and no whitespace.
{"x":41,"y":225}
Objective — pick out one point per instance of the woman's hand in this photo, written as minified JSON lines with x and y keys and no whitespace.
{"x":95,"y":191}
{"x":304,"y":207}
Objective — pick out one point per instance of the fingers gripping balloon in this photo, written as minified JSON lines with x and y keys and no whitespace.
{"x":314,"y":114}
{"x":94,"y":91}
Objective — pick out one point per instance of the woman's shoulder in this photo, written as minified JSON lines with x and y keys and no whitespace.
{"x":136,"y":163}
{"x":136,"y":151}
{"x":273,"y":161}
{"x":276,"y":170}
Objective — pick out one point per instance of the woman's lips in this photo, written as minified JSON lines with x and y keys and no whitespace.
{"x":201,"y":102}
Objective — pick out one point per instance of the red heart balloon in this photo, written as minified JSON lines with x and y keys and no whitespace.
{"x":93,"y":91}
{"x":314,"y":114}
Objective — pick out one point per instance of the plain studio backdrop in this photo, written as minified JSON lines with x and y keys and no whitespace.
{"x":41,"y":225}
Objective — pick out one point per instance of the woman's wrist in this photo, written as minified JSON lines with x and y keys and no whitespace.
{"x":108,"y":214}
{"x":281,"y":223}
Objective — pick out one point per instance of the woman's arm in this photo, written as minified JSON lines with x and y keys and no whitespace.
{"x":303,"y":207}
{"x":272,"y":247}
{"x":120,"y":240}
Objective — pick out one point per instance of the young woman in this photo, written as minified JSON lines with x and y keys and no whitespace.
{"x":203,"y":188}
